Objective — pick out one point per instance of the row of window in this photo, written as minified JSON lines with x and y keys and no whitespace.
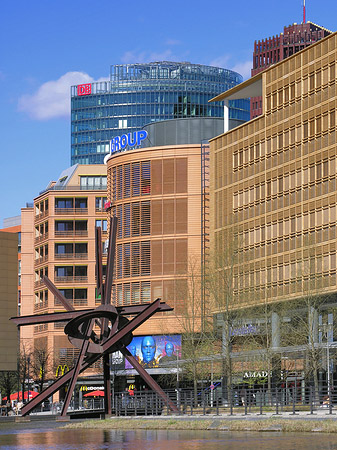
{"x":159,"y":257}
{"x":71,"y":271}
{"x":131,"y":180}
{"x":174,"y":292}
{"x":134,"y":219}
{"x":68,"y":202}
{"x":286,"y":182}
{"x":280,"y":142}
{"x":133,"y":259}
{"x":291,"y":225}
{"x":168,"y":176}
{"x":314,"y":80}
{"x":41,"y":207}
{"x":93,"y":182}
{"x":313,"y":273}
{"x":155,"y":217}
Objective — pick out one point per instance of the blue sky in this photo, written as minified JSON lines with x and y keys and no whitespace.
{"x":46,"y":46}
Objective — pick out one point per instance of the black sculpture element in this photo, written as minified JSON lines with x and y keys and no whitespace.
{"x":115,"y":331}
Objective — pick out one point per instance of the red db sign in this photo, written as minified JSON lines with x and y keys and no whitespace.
{"x":84,"y":89}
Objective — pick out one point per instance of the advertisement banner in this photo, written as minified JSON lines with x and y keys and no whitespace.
{"x":155,"y":351}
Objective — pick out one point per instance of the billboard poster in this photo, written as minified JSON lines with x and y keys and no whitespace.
{"x":155,"y":351}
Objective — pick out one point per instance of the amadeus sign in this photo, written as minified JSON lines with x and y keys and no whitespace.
{"x":119,"y":143}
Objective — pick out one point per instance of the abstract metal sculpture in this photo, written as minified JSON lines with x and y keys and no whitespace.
{"x":114,"y":335}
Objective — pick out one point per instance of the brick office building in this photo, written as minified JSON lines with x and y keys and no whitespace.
{"x":270,"y":51}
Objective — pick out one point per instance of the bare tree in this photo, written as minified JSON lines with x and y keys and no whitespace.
{"x":196,"y":324}
{"x":42,"y":362}
{"x":222,"y":283}
{"x":8,"y":383}
{"x":24,"y":360}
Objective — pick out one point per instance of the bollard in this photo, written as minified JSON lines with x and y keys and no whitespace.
{"x":203,"y":404}
{"x":230,"y":402}
{"x":277,"y":404}
{"x":260,"y":414}
{"x":245,"y":399}
{"x":311,"y":400}
{"x":294,"y":401}
{"x":330,"y":400}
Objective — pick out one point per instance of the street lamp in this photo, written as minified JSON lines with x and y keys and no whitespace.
{"x":28,"y":362}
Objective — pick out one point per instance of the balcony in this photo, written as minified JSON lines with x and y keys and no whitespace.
{"x":71,"y":211}
{"x":41,"y":215}
{"x":41,"y":305}
{"x":40,"y":238}
{"x":73,"y":302}
{"x":41,"y":260}
{"x":71,"y":233}
{"x":39,"y":283}
{"x":71,"y":279}
{"x":68,"y":256}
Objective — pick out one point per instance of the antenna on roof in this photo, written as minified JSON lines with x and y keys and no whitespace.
{"x":303,"y":11}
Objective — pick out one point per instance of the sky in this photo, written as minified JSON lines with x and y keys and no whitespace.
{"x":47,"y":46}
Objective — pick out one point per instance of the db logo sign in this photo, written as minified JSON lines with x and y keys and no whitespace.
{"x":84,"y":89}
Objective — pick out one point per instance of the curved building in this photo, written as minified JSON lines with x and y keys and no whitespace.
{"x":138,"y":94}
{"x":156,"y":195}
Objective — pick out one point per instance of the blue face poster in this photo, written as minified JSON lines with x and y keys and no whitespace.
{"x":155,"y":351}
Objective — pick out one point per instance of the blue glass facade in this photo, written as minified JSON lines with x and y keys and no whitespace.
{"x":138,"y":94}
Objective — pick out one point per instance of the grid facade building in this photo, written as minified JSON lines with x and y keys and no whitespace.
{"x":59,"y":242}
{"x":138,"y":94}
{"x":273,"y":182}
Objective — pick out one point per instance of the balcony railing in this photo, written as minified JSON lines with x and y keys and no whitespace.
{"x":39,"y":283}
{"x":41,"y":215}
{"x":71,"y":279}
{"x":71,"y":233}
{"x":74,"y":302}
{"x":71,"y":255}
{"x":72,"y":211}
{"x":41,"y":260}
{"x":74,"y":188}
{"x":41,"y":305}
{"x":40,"y":238}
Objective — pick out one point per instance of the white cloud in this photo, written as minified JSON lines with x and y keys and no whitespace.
{"x":132,"y":56}
{"x":172,"y":42}
{"x":243,"y":69}
{"x":52,"y":99}
{"x":220,"y":61}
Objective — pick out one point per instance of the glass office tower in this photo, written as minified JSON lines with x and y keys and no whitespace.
{"x":138,"y":94}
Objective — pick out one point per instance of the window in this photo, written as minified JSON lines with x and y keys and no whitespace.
{"x":127,"y":220}
{"x":61,"y":249}
{"x":93,"y":182}
{"x":64,"y":203}
{"x":146,"y":184}
{"x":81,"y":203}
{"x":99,"y":203}
{"x":135,"y":179}
{"x":103,"y":224}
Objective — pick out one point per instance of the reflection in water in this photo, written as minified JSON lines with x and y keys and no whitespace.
{"x":59,"y":439}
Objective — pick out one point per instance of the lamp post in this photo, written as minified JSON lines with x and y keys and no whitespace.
{"x":28,"y":362}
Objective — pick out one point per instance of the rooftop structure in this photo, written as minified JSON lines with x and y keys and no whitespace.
{"x":138,"y":94}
